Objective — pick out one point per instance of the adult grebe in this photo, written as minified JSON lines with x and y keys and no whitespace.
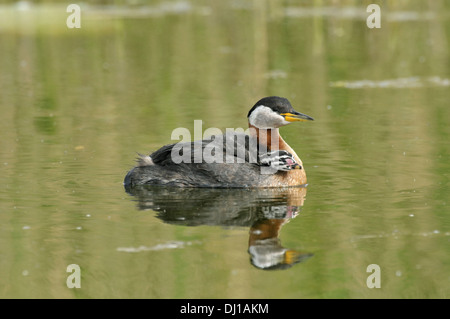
{"x":232,"y":160}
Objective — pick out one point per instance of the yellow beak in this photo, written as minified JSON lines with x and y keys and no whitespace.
{"x":296,"y":116}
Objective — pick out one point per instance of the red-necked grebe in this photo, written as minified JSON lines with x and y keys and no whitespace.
{"x":232,"y":160}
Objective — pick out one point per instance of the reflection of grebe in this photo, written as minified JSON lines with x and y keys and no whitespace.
{"x":265,"y":211}
{"x":264,"y":119}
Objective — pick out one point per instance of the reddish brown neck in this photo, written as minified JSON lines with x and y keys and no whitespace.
{"x":272,"y":139}
{"x":269,"y":137}
{"x":265,"y":229}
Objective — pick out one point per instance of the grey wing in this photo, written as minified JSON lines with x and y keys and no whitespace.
{"x":226,"y":148}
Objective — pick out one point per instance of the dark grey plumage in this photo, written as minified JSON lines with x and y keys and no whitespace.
{"x":232,"y":171}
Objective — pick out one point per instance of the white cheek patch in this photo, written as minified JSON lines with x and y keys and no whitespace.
{"x":263,"y":117}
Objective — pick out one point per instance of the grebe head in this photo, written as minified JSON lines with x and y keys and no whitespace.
{"x":273,"y":112}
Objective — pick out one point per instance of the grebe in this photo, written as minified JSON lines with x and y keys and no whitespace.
{"x":258,"y":159}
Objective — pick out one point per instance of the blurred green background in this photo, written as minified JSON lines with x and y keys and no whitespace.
{"x":77,"y":104}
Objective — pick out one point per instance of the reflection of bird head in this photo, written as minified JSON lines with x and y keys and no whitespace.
{"x":274,"y":112}
{"x":268,"y":254}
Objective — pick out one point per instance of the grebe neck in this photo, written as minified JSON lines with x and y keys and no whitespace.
{"x":272,"y":139}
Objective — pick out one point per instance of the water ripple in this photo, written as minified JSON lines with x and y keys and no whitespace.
{"x":408,"y":82}
{"x":163,"y":246}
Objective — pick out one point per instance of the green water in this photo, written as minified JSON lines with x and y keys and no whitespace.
{"x":78,"y":104}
